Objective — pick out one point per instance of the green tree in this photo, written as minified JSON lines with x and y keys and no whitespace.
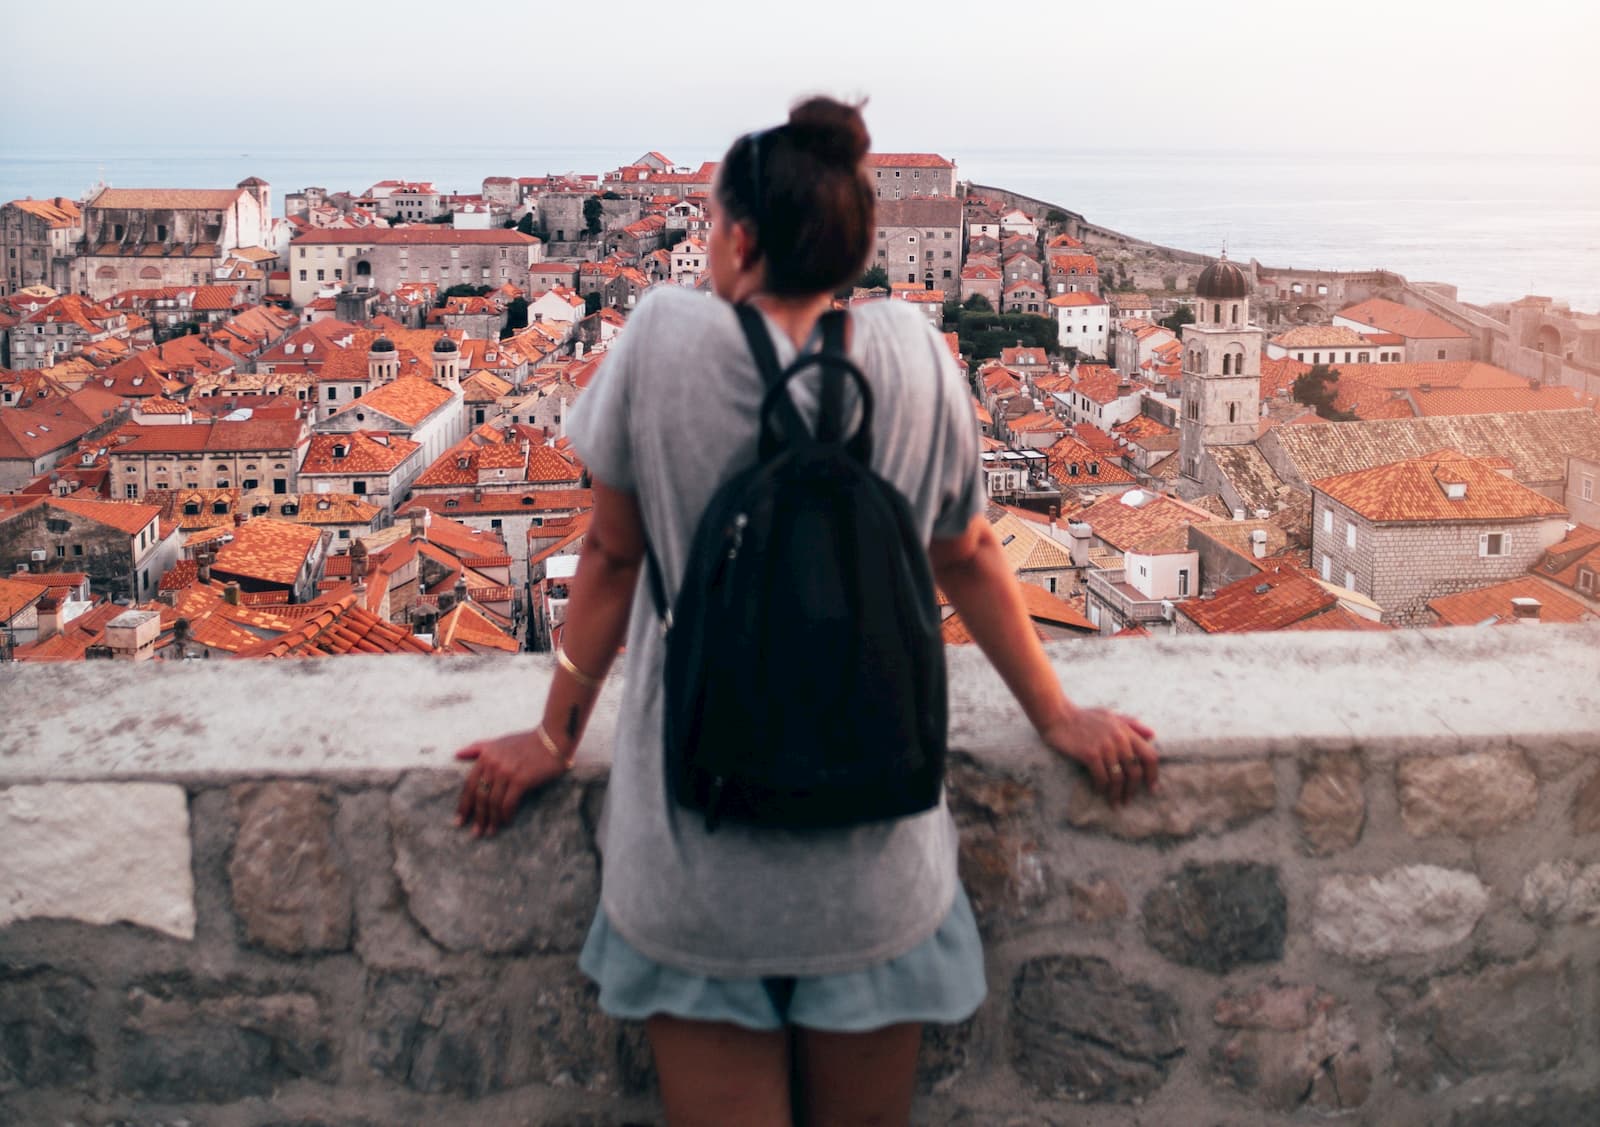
{"x":516,"y":315}
{"x":525,"y":224}
{"x":875,"y":278}
{"x":983,"y":335}
{"x":1177,"y":319}
{"x":593,"y":213}
{"x":1055,"y":215}
{"x":977,"y":303}
{"x":1318,"y":389}
{"x":591,"y":303}
{"x":461,"y":289}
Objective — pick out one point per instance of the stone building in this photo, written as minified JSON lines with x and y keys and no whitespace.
{"x":1221,"y":371}
{"x":1082,"y":322}
{"x":386,"y":258}
{"x":1426,"y":335}
{"x":909,"y":175}
{"x":137,"y":238}
{"x":428,"y":411}
{"x":919,"y":241}
{"x":254,"y":455}
{"x":118,"y":546}
{"x":60,"y":328}
{"x":983,"y":279}
{"x":38,"y":242}
{"x":1021,"y":268}
{"x":1410,"y":531}
{"x":371,"y":464}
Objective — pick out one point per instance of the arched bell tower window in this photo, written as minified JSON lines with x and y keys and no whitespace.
{"x":1227,"y":363}
{"x":1216,"y":313}
{"x":1235,"y":314}
{"x":1233,"y":412}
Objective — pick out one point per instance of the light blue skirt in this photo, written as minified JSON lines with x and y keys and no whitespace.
{"x":940,"y":980}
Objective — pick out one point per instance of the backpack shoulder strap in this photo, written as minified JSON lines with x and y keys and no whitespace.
{"x":830,"y":415}
{"x":766,"y":357}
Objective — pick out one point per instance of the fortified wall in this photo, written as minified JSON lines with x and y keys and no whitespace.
{"x":231,"y":895}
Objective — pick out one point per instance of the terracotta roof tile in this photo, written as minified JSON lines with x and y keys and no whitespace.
{"x":1470,"y":608}
{"x":1271,"y":600}
{"x":1392,"y":317}
{"x":270,"y":550}
{"x":1418,"y":489}
{"x":365,"y":452}
{"x":408,"y":400}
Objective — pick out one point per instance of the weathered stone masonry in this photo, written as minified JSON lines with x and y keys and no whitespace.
{"x":1370,"y":887}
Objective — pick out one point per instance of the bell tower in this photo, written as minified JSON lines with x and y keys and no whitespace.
{"x":383,"y":362}
{"x":1221,"y":368}
{"x":447,"y":364}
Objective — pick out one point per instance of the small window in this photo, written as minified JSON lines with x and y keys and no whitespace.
{"x":1493,"y":544}
{"x":1350,"y":580}
{"x":1327,"y":567}
{"x":1586,"y":583}
{"x":1441,"y":354}
{"x":1327,"y":520}
{"x":1349,"y":534}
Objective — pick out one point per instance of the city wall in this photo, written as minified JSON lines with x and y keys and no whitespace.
{"x":230,"y":895}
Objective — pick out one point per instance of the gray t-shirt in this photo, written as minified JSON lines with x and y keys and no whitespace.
{"x":669,"y":417}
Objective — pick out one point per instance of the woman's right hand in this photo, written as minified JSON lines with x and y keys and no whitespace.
{"x":1115,"y":749}
{"x":504,"y":770}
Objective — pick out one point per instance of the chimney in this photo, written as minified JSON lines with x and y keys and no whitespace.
{"x":461,"y":589}
{"x":447,"y":602}
{"x":1525,"y":611}
{"x":238,"y":517}
{"x":1258,"y":543}
{"x":49,"y":611}
{"x":230,"y":594}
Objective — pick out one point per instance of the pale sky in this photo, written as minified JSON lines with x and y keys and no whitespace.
{"x":1360,"y":75}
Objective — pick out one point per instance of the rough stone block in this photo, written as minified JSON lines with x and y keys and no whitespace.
{"x":1295,"y":1046}
{"x":1332,"y":807}
{"x":1194,"y":798}
{"x":1542,"y":1107}
{"x":1562,"y":892}
{"x":1586,"y":807}
{"x":947,"y":1051}
{"x":473,"y":1037}
{"x":289,"y":886}
{"x":44,"y":1040}
{"x":1496,"y":1019}
{"x":219,"y":1041}
{"x":1218,"y":916}
{"x":99,"y":853}
{"x":1412,"y":910}
{"x":1000,"y":860}
{"x":1097,"y":900}
{"x":531,"y":888}
{"x":1082,"y":1031}
{"x":1466,"y":795}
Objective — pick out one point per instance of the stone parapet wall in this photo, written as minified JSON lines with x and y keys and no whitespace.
{"x":230,"y":894}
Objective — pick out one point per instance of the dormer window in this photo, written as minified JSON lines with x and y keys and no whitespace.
{"x":289,"y":508}
{"x":260,"y":509}
{"x":340,"y":450}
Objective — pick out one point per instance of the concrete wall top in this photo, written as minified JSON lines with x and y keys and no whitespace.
{"x":1401,"y":693}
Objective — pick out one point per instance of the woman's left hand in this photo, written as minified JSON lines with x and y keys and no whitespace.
{"x":504,"y":770}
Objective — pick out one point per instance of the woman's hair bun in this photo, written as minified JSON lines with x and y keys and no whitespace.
{"x":830,"y":131}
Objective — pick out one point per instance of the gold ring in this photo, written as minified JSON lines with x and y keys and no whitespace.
{"x":1116,"y":769}
{"x":485,"y":787}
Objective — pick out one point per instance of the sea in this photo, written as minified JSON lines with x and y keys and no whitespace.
{"x":1497,"y":227}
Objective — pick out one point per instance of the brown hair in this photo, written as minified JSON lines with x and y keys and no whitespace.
{"x":802,"y":187}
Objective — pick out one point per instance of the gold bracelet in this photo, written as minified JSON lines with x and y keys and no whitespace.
{"x":578,"y":675}
{"x":555,"y":752}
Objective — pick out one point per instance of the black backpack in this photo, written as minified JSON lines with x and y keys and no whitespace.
{"x":805,"y":677}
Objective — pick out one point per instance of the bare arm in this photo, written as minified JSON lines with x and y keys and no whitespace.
{"x":972,"y":570}
{"x":510,"y":766}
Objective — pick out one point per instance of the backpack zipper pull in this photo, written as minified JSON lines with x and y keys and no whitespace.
{"x":738,"y":534}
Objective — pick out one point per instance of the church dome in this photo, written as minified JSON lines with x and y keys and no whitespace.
{"x":444,"y":344}
{"x":383,"y":344}
{"x":1222,"y":281}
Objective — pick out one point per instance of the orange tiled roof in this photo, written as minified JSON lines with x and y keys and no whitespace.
{"x":908,"y":160}
{"x":366,"y":451}
{"x":1279,"y":375}
{"x":1579,"y":551}
{"x":1122,"y":525}
{"x":465,"y":627}
{"x":181,"y":199}
{"x":1045,"y":607}
{"x":1070,"y":264}
{"x":27,"y":433}
{"x":1488,"y":401}
{"x":1416,"y":490}
{"x":1470,"y":608}
{"x":341,"y":627}
{"x":1336,"y":618}
{"x":1320,"y":336}
{"x":1275,"y":598}
{"x":271,"y":550}
{"x":57,"y":212}
{"x":16,"y":597}
{"x":124,"y":516}
{"x":1392,"y":317}
{"x":408,"y":400}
